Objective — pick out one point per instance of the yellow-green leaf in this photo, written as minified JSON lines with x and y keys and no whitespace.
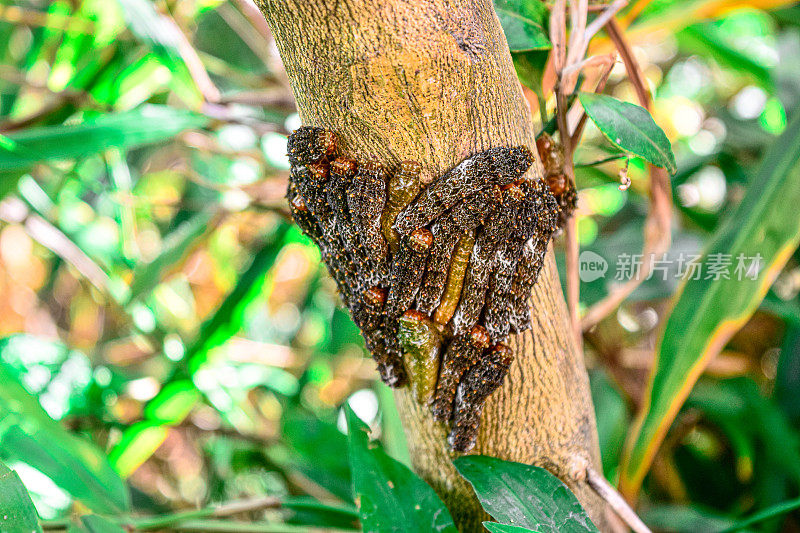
{"x":757,"y":240}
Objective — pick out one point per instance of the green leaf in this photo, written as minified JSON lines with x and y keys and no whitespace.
{"x":28,"y":434}
{"x":306,"y":434}
{"x":707,"y":40}
{"x":175,"y":246}
{"x":523,"y":495}
{"x":140,"y":441}
{"x":707,"y":312}
{"x":629,"y":128}
{"x":390,"y":496}
{"x":17,"y":513}
{"x":765,"y":514}
{"x":494,"y":527}
{"x":145,"y":125}
{"x":524,"y":24}
{"x":98,"y":524}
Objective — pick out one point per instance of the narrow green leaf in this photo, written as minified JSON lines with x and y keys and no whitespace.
{"x":771,"y":512}
{"x":763,"y":232}
{"x":28,"y":434}
{"x":138,"y":443}
{"x":390,"y":497}
{"x":228,"y":318}
{"x":98,"y":524}
{"x":17,"y":513}
{"x":144,"y":125}
{"x":141,"y":440}
{"x":176,"y":245}
{"x":629,"y":128}
{"x":524,"y":24}
{"x":173,"y":403}
{"x":494,"y":527}
{"x":523,"y":495}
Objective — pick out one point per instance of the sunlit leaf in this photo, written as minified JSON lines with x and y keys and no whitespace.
{"x":387,"y":492}
{"x":494,"y":527}
{"x":29,"y":435}
{"x":138,"y":443}
{"x":145,"y":125}
{"x":758,"y":239}
{"x":176,"y":246}
{"x":17,"y":513}
{"x":523,"y":495}
{"x":629,"y":128}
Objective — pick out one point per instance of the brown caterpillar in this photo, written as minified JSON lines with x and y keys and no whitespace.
{"x":446,"y":231}
{"x":421,"y":343}
{"x":309,"y":145}
{"x":497,"y":166}
{"x":366,"y":200}
{"x":467,"y":250}
{"x":479,"y":381}
{"x":463,"y":352}
{"x":562,"y":188}
{"x":407,"y":271}
{"x":403,"y":188}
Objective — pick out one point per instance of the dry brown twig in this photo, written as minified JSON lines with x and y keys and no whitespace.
{"x":568,"y":61}
{"x":657,"y":234}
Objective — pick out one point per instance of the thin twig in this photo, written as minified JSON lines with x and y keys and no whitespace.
{"x":657,"y":232}
{"x":608,"y":493}
{"x":632,"y":67}
{"x":601,"y":84}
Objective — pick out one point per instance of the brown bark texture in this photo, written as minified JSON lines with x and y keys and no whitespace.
{"x":433,"y":81}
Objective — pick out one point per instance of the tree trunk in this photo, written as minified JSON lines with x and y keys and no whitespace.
{"x":433,"y":81}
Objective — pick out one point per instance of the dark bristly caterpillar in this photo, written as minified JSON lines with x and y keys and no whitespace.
{"x":432,"y":276}
{"x":462,"y":353}
{"x":496,"y":166}
{"x":552,"y":155}
{"x":478,"y":382}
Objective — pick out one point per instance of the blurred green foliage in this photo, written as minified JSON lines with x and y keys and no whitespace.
{"x":171,"y":344}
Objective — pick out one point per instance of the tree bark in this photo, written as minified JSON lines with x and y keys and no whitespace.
{"x":433,"y":81}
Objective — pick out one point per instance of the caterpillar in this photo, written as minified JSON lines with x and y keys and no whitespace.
{"x":432,"y":276}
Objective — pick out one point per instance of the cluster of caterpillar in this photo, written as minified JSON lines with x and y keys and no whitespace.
{"x":552,"y":154}
{"x":435,"y":277}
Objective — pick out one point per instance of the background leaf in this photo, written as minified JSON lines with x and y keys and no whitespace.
{"x":629,"y":128}
{"x":390,"y":496}
{"x":524,"y":24}
{"x":523,"y":495}
{"x":17,"y":513}
{"x":708,"y":312}
{"x":28,"y":434}
{"x":145,"y":125}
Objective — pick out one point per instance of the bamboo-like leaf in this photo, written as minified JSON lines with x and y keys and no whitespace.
{"x":75,"y":465}
{"x":630,"y":128}
{"x":17,"y":513}
{"x":707,"y":312}
{"x":144,"y":125}
{"x":174,"y":402}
